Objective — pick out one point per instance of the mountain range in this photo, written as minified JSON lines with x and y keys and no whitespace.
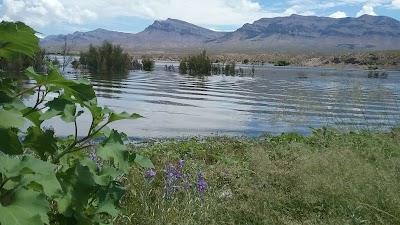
{"x":292,"y":33}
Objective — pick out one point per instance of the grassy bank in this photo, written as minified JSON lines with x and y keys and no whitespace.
{"x":329,"y":177}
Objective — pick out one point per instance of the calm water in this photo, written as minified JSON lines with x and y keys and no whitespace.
{"x":274,"y":100}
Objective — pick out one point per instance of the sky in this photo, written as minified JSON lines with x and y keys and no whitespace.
{"x":67,"y":16}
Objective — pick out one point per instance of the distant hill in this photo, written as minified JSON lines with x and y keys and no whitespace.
{"x":281,"y":33}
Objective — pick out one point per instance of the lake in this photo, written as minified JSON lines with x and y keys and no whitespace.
{"x":273,"y":100}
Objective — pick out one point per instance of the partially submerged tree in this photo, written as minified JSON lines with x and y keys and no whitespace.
{"x":148,"y":64}
{"x":105,"y":58}
{"x":66,"y":53}
{"x":196,"y":65}
{"x":37,"y":61}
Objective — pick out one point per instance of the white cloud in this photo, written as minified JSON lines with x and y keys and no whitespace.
{"x":338,"y":14}
{"x":66,"y":14}
{"x":43,"y":12}
{"x":396,"y":4}
{"x":206,"y":12}
{"x":366,"y":9}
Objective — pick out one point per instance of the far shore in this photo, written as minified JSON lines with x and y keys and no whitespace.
{"x":375,"y":60}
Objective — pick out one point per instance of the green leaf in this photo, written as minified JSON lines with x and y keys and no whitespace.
{"x":8,"y":165}
{"x":143,"y":162}
{"x":25,"y":207}
{"x":41,"y":172}
{"x":9,"y":142}
{"x":114,"y":149}
{"x":41,"y":142}
{"x":32,"y":172}
{"x":30,"y":72}
{"x":121,"y":116}
{"x":17,"y":38}
{"x":48,"y":183}
{"x":104,"y":132}
{"x":68,"y":115}
{"x":102,"y":177}
{"x":108,"y":198}
{"x":77,"y":184}
{"x":56,"y":107}
{"x":11,"y":118}
{"x":81,"y":89}
{"x":34,"y":116}
{"x":4,"y":98}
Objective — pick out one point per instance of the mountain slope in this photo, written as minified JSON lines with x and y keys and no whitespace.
{"x":172,"y":33}
{"x":311,"y":32}
{"x":281,"y":33}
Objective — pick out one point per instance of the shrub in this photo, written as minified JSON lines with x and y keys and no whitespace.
{"x":105,"y":58}
{"x":196,"y":65}
{"x":148,"y":64}
{"x":282,"y":63}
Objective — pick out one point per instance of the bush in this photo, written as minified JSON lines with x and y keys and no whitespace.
{"x":37,"y":61}
{"x":282,"y":63}
{"x":148,"y":64}
{"x":196,"y":65}
{"x":105,"y":58}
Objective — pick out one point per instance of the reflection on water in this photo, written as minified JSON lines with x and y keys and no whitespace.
{"x":274,"y":100}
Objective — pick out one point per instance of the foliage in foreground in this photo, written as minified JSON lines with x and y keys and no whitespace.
{"x":329,"y":177}
{"x":45,"y":179}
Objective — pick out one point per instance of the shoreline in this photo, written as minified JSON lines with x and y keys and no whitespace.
{"x":376,"y":60}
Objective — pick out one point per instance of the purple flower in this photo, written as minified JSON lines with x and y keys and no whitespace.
{"x":180,"y":164}
{"x":177,"y":174}
{"x":150,"y":174}
{"x":188,"y":185}
{"x":177,"y":188}
{"x":92,"y":156}
{"x":98,"y":166}
{"x":51,"y":128}
{"x":201,"y":185}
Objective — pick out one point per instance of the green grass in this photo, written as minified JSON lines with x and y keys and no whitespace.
{"x":330,"y":177}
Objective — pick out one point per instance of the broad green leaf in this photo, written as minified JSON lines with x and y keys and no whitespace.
{"x":37,"y":165}
{"x":121,"y":116}
{"x":108,"y":198}
{"x":11,"y":118}
{"x":41,"y":142}
{"x":68,"y":115}
{"x":25,"y":207}
{"x":34,"y":117}
{"x":30,"y":72}
{"x":9,"y":142}
{"x":29,"y":170}
{"x":47,"y":182}
{"x":56,"y":107}
{"x":77,"y":184}
{"x":104,"y":132}
{"x":4,"y":98}
{"x":81,"y":89}
{"x":114,"y":149}
{"x":65,"y":205}
{"x":17,"y":38}
{"x":8,"y":165}
{"x":143,"y":162}
{"x":40,"y":172}
{"x":102,"y":177}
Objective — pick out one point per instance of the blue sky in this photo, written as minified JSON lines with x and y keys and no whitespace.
{"x":66,"y":16}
